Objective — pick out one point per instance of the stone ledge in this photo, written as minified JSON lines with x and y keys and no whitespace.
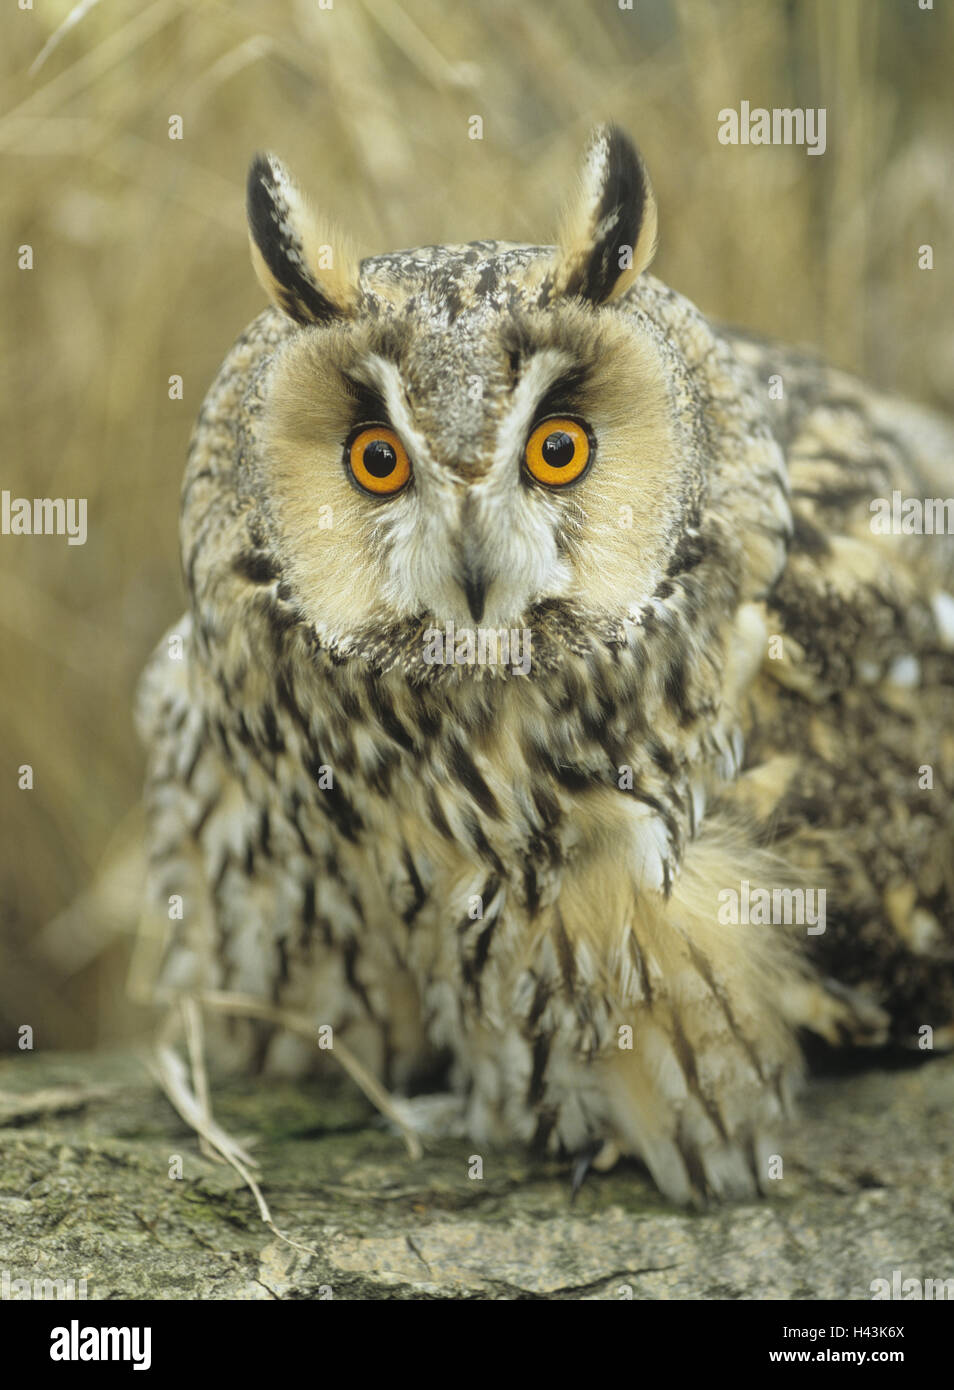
{"x":84,"y":1192}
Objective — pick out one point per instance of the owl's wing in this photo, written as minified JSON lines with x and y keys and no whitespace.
{"x":240,"y":902}
{"x":858,"y":684}
{"x":214,"y":886}
{"x":185,"y":782}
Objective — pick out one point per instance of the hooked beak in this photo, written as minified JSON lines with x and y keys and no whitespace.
{"x":474,"y":583}
{"x":472,"y":572}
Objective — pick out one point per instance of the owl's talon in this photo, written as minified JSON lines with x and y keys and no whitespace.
{"x":581,"y":1167}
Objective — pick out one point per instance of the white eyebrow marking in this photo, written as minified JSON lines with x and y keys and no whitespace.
{"x":386,"y":377}
{"x":544,"y":369}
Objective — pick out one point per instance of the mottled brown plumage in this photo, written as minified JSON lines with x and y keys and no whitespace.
{"x":515,"y":879}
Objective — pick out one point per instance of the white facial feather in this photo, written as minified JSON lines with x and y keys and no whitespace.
{"x":510,"y":528}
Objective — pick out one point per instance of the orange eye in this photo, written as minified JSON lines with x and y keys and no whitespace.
{"x":378,"y":460}
{"x":557,"y":451}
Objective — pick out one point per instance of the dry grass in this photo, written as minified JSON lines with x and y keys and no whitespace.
{"x":141,"y":271}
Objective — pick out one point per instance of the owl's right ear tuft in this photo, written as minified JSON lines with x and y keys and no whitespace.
{"x":310,"y":275}
{"x":609,"y":232}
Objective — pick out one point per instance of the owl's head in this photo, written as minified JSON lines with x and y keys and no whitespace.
{"x":478,"y":433}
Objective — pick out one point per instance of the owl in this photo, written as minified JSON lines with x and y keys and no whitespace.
{"x":551,"y":723}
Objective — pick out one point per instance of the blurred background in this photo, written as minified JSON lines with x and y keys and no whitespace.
{"x":141,"y":271}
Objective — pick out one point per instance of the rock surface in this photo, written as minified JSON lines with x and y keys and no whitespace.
{"x":88,"y":1143}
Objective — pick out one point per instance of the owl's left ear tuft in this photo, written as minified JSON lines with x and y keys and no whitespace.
{"x":608,"y":235}
{"x":308,"y":273}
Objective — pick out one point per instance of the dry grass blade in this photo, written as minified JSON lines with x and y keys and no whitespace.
{"x":192,"y":1102}
{"x":77,"y":13}
{"x":168,"y":1069}
{"x":297,"y":1023}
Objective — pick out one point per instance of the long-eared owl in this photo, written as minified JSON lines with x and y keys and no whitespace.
{"x":554,"y":718}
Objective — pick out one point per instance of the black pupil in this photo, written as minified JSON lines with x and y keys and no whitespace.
{"x":558,"y":449}
{"x":379,"y":458}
